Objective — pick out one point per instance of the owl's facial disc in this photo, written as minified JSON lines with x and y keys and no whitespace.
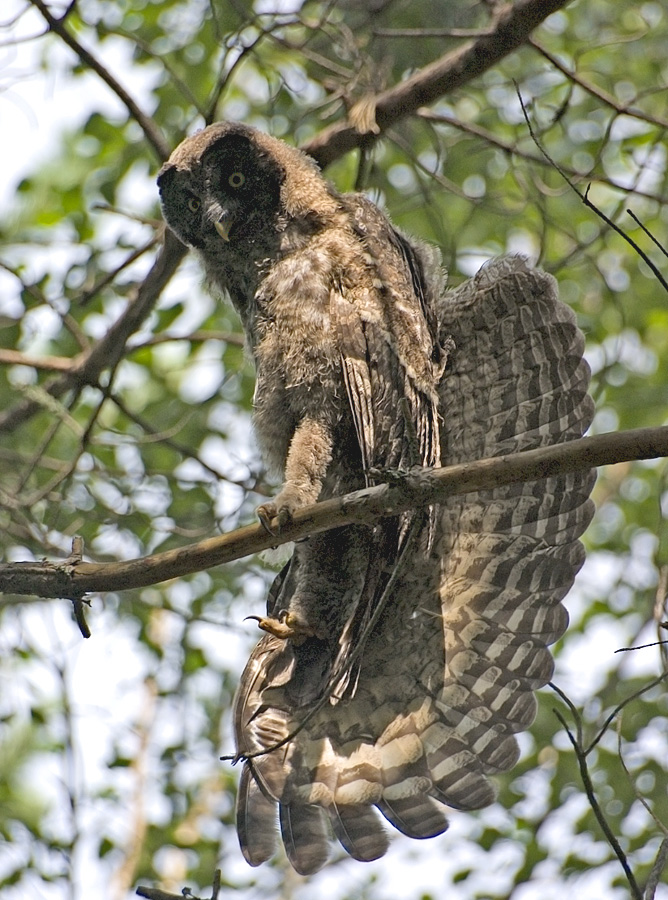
{"x":223,"y":190}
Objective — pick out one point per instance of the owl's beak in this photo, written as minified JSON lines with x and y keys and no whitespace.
{"x":223,"y":225}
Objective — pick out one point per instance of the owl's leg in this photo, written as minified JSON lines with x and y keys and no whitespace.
{"x":287,"y":625}
{"x":309,"y":454}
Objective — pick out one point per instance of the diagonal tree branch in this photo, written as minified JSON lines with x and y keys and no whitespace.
{"x":72,"y":579}
{"x":88,"y":366}
{"x":513,"y":149}
{"x":146,"y":123}
{"x":588,"y":203}
{"x":513,"y":23}
{"x":588,"y":785}
{"x":597,"y":92}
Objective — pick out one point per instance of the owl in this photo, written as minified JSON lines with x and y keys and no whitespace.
{"x":399,"y":658}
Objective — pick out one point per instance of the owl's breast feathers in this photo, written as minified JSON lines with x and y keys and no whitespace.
{"x":345,"y":326}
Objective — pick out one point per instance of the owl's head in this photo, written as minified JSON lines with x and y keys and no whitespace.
{"x":228,"y":185}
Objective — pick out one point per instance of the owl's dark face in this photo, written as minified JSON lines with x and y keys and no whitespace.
{"x":221,"y":194}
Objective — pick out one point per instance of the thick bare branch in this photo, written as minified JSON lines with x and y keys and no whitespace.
{"x":513,"y":24}
{"x":418,"y":488}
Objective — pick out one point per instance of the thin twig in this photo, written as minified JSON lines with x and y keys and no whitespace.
{"x":647,"y":232}
{"x":234,"y":338}
{"x":164,"y":437}
{"x":577,"y":718}
{"x":634,"y":787}
{"x":146,"y":123}
{"x":620,"y":707}
{"x":87,"y":295}
{"x":641,"y":647}
{"x":45,"y":363}
{"x":588,"y":203}
{"x":657,"y":869}
{"x":158,"y":894}
{"x":596,"y":91}
{"x":109,"y":350}
{"x":489,"y":137}
{"x":610,"y":836}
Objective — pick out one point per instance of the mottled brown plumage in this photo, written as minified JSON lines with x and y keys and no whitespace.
{"x":400,"y":659}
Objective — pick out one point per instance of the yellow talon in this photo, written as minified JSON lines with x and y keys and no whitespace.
{"x":286,"y":627}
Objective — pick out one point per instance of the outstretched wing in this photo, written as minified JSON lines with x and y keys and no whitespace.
{"x":448,"y":674}
{"x":518,"y":381}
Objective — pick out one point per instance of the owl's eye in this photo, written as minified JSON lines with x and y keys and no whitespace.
{"x":236,"y":179}
{"x":194,"y":204}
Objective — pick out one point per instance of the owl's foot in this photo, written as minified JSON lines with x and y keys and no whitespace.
{"x":286,"y":626}
{"x":267,"y":512}
{"x":282,"y":508}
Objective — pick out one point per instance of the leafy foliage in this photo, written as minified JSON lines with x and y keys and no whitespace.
{"x":109,"y":765}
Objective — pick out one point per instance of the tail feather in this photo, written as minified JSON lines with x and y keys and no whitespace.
{"x":256,"y":820}
{"x":359,"y":831}
{"x":306,"y":836}
{"x":416,"y":817}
